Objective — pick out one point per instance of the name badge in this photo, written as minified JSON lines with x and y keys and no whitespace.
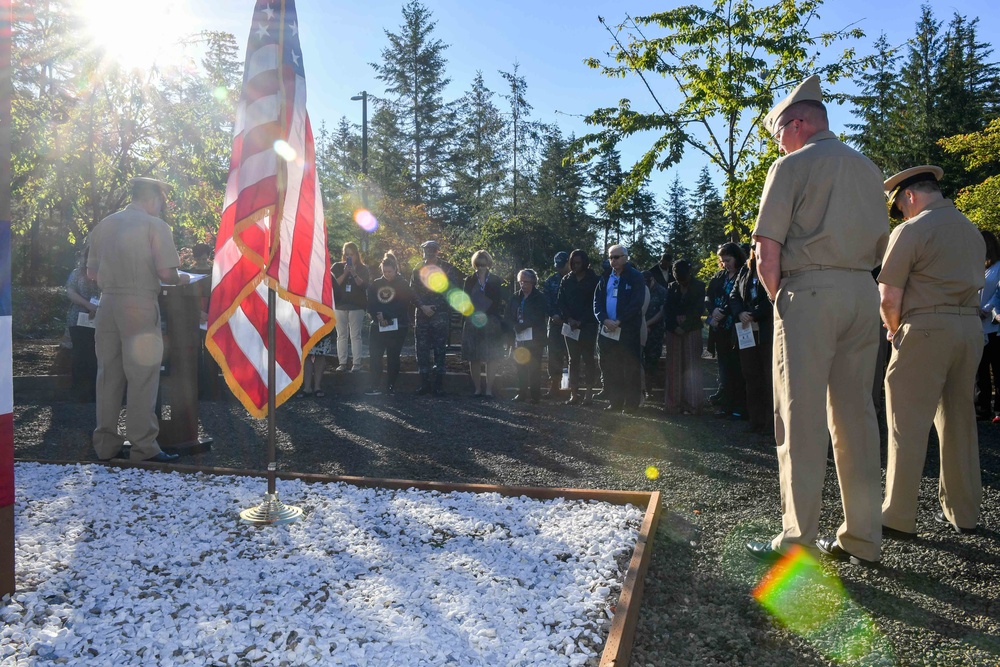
{"x":347,"y":287}
{"x":614,"y":293}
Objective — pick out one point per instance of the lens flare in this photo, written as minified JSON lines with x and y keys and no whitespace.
{"x":814,"y":604}
{"x":478,"y":319}
{"x":285,"y":150}
{"x":365,"y":220}
{"x":522,"y":355}
{"x":652,"y":472}
{"x":434,"y":278}
{"x":460,"y":301}
{"x":220,"y":93}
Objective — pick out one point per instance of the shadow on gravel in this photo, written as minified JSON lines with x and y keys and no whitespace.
{"x":900,"y":607}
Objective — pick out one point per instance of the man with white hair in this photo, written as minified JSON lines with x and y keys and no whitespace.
{"x":618,"y":304}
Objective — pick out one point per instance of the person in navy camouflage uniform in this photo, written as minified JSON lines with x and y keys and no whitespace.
{"x":433,"y":315}
{"x":557,"y":344}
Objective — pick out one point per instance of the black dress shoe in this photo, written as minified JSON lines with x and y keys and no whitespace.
{"x":897,"y":534}
{"x":763,"y":551}
{"x":163,"y":457}
{"x":122,"y":454}
{"x":829,"y":546}
{"x":940,"y":518}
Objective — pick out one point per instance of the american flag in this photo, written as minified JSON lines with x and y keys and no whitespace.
{"x":272,"y":232}
{"x":6,"y":375}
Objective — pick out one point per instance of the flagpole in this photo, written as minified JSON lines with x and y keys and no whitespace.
{"x":272,"y":510}
{"x":272,"y":465}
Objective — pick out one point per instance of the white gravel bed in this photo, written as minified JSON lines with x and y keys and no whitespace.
{"x":128,"y":567}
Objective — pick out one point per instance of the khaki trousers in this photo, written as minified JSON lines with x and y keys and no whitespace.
{"x":825,"y":329}
{"x":129,"y":348}
{"x":930,"y":381}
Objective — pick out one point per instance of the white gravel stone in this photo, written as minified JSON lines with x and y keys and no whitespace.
{"x":130,"y":567}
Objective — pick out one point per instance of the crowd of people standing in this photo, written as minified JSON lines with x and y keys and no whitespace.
{"x":604,"y":332}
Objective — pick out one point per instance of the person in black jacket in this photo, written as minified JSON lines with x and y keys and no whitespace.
{"x":618,"y":306}
{"x":389,"y":302}
{"x":576,"y":307}
{"x":482,"y":335}
{"x":751,"y":308}
{"x":526,"y":315}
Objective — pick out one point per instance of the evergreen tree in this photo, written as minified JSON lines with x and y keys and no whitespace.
{"x":680,"y":234}
{"x":969,"y":90}
{"x":477,"y":171}
{"x":523,"y":137}
{"x":559,"y":200}
{"x":708,"y":216}
{"x":642,"y":216}
{"x":388,"y":166}
{"x":412,"y":70}
{"x":915,"y":113}
{"x":876,"y":135}
{"x":606,"y":177}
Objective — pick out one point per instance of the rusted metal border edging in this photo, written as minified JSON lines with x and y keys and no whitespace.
{"x":618,"y":646}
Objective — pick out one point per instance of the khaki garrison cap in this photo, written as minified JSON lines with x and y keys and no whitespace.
{"x":904,"y":179}
{"x":807,"y":90}
{"x":162,"y":185}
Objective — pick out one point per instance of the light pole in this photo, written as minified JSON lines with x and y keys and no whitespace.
{"x":363,"y":97}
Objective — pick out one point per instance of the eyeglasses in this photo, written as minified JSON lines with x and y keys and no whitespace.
{"x":777,"y":133}
{"x":613,"y":257}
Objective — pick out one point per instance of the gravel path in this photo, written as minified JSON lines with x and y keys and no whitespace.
{"x":935,"y":601}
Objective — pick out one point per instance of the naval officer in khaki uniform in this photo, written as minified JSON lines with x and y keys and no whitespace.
{"x":821,"y":229}
{"x":131,"y":253}
{"x":930,"y":282}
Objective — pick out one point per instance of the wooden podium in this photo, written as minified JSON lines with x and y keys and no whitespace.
{"x":177,"y":402}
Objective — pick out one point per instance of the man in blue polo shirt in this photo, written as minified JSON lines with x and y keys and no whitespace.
{"x":618,"y":306}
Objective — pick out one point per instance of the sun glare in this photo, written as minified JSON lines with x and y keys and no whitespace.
{"x":134,"y":33}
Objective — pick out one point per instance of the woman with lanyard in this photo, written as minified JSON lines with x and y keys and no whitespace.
{"x":350,"y":298}
{"x":390,"y":302}
{"x":754,"y":315}
{"x":526,"y":316}
{"x":732,"y":392}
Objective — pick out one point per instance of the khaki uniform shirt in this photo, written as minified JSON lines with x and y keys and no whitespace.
{"x":127,"y":249}
{"x":936,"y":257}
{"x":824,"y":204}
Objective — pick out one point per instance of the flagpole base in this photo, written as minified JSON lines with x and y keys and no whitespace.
{"x":270,"y":512}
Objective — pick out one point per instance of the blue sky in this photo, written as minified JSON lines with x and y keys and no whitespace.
{"x":549,"y":38}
